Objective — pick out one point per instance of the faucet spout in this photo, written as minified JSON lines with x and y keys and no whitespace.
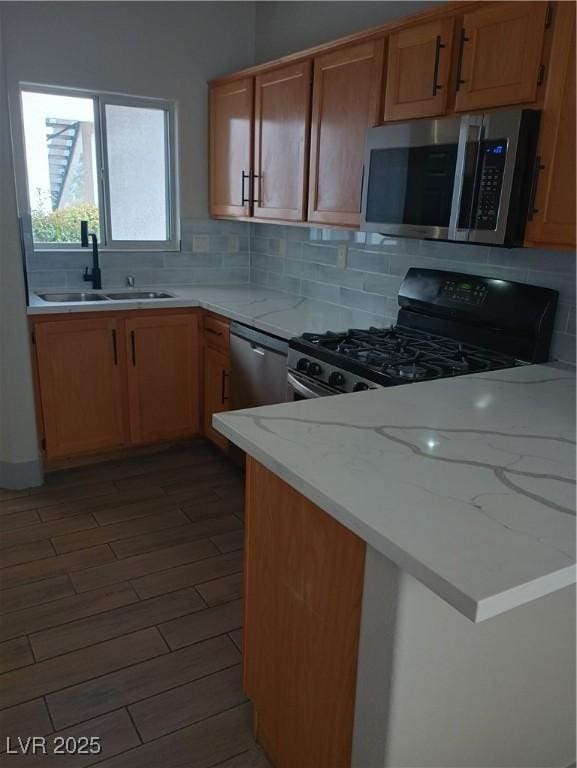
{"x":95,"y":275}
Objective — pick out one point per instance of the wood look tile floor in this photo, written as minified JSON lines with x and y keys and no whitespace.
{"x":121,"y":611}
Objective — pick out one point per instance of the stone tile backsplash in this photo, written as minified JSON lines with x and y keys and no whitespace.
{"x":364,"y":271}
{"x":358,"y":270}
{"x":211,"y":252}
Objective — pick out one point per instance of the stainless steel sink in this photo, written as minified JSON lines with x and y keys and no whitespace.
{"x":135,"y":295}
{"x":65,"y":298}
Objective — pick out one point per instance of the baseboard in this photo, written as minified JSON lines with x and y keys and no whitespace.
{"x":23,"y":474}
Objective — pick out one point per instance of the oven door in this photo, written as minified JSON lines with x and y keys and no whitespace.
{"x":302,"y":388}
{"x":410,"y":178}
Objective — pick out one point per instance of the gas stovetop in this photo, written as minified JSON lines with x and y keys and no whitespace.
{"x":388,"y":356}
{"x":402,"y":353}
{"x":448,"y":325}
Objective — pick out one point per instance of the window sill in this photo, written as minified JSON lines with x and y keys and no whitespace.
{"x":105,"y":249}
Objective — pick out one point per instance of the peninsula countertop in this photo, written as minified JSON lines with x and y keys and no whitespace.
{"x":281,"y":314}
{"x":466,"y":483}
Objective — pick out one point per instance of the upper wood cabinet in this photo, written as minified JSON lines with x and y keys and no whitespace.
{"x":281,"y":142}
{"x":346,"y":101}
{"x":163,"y":376}
{"x":230,"y":147}
{"x":553,"y":219}
{"x":280,"y":153}
{"x":80,"y":376}
{"x":500,"y":56}
{"x":419,"y":64}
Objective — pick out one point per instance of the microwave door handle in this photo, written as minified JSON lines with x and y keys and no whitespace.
{"x":469,"y":132}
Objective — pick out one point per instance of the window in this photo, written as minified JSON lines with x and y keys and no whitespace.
{"x":105,"y":159}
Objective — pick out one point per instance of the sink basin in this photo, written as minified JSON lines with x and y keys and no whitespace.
{"x":135,"y":295}
{"x":64,"y":298}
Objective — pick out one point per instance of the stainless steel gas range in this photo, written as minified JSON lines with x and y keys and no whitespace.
{"x":448,"y":324}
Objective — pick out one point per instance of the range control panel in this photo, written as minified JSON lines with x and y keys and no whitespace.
{"x":464,"y":292}
{"x":493,"y":154}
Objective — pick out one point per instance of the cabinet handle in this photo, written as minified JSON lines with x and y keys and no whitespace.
{"x":257,"y":200}
{"x":214,"y":333}
{"x":537,"y":168}
{"x":223,"y":378}
{"x":114,"y":349}
{"x":244,"y":199}
{"x":464,"y":39}
{"x":133,"y":346}
{"x":439,"y":45}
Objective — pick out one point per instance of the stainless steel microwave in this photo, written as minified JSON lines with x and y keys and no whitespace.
{"x":468,"y":178}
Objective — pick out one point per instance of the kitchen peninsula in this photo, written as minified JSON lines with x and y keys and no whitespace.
{"x":430,"y":531}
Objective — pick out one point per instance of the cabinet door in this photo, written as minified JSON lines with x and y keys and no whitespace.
{"x":163,"y":377}
{"x":501,"y":48}
{"x":216,"y":391}
{"x":80,"y":364}
{"x":282,"y":124}
{"x":303,"y":591}
{"x":346,"y":101}
{"x":553,"y":219}
{"x":230,"y":147}
{"x":418,"y":70}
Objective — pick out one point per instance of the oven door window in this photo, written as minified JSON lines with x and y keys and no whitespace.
{"x":412,"y":185}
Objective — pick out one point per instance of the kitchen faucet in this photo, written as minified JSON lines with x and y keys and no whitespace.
{"x":94,"y":276}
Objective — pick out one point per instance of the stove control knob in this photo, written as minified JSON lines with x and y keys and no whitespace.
{"x":314,"y":369}
{"x":336,"y":379}
{"x":360,"y":386}
{"x":303,"y":365}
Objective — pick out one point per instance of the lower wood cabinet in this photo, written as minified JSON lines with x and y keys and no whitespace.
{"x":108,"y":381}
{"x":163,"y":380}
{"x":81,"y":386}
{"x":216,"y":392}
{"x":216,"y":375}
{"x":303,"y":590}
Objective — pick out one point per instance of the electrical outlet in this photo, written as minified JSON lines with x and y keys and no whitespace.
{"x":342,"y":252}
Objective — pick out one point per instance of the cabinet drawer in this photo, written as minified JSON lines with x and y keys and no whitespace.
{"x":216,"y":332}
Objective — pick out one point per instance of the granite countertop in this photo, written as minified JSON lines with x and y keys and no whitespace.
{"x":275,"y":312}
{"x":466,"y":483}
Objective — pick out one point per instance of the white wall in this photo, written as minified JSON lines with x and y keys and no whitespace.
{"x":434,"y":689}
{"x":18,"y":440}
{"x":162,"y":49}
{"x":166,"y":50}
{"x":285,"y":27}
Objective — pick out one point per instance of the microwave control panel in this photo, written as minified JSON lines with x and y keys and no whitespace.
{"x":492,"y":167}
{"x":464,"y":292}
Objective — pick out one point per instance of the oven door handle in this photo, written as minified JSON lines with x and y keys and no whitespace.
{"x":306,"y":390}
{"x":469,"y":132}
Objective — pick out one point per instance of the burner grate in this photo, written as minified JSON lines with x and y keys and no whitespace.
{"x":397,"y":354}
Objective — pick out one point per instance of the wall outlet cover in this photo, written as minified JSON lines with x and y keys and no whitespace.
{"x":342,"y":253}
{"x":200,"y":243}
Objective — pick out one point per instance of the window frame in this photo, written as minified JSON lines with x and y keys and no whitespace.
{"x":100,"y":100}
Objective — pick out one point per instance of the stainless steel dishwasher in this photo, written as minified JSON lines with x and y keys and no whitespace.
{"x":258,"y":368}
